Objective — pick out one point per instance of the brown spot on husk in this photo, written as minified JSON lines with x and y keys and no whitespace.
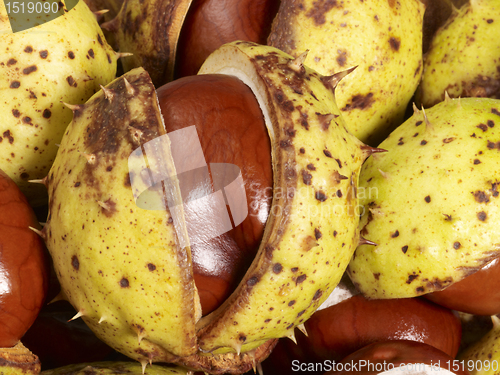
{"x":359,"y":102}
{"x":308,"y":243}
{"x":341,"y":57}
{"x":481,"y":196}
{"x":493,"y":145}
{"x":252,"y":281}
{"x":75,"y":262}
{"x":317,"y":295}
{"x":481,"y":216}
{"x":437,"y":284}
{"x":30,"y":69}
{"x":337,"y":177}
{"x":277,"y":268}
{"x":395,"y":43}
{"x":320,"y":196}
{"x":306,"y":177}
{"x":411,"y":278}
{"x":110,"y":208}
{"x":318,"y":10}
{"x":483,"y":127}
{"x":481,"y":87}
{"x":71,"y":81}
{"x":124,"y":283}
{"x":300,"y":279}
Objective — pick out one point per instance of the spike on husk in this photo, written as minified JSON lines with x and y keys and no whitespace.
{"x":291,"y":336}
{"x":364,"y":241}
{"x":302,"y":328}
{"x":42,"y":181}
{"x":91,"y":158}
{"x":73,"y":107}
{"x":130,"y":88}
{"x":41,"y":233}
{"x":334,"y":79}
{"x":385,"y":175}
{"x":297,"y":64}
{"x":79,"y":314}
{"x":108,"y":93}
{"x":368,"y":150}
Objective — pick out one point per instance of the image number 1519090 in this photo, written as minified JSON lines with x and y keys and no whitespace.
{"x":31,"y":7}
{"x":28,"y":14}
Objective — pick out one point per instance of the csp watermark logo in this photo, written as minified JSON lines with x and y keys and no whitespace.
{"x":171,"y":171}
{"x":26,"y":14}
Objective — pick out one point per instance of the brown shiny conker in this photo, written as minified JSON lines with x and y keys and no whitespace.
{"x":23,"y":264}
{"x":231,"y":129}
{"x":341,"y":329}
{"x":211,"y":23}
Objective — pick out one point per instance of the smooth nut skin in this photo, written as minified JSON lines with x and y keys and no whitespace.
{"x":344,"y":328}
{"x":23,"y":264}
{"x":398,"y":353}
{"x":341,"y":329}
{"x":231,"y":130}
{"x":476,"y":294}
{"x":211,"y":23}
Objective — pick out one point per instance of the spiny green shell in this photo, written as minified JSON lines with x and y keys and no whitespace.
{"x":431,"y":202}
{"x":383,"y":38}
{"x":123,"y":268}
{"x":64,"y":60}
{"x":464,"y":56}
{"x":119,"y":265}
{"x":311,"y":231}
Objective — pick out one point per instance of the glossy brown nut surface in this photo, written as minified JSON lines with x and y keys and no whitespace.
{"x":339,"y":330}
{"x":231,"y":129}
{"x":476,"y":294}
{"x":396,"y":353}
{"x":211,"y":23}
{"x":23,"y":264}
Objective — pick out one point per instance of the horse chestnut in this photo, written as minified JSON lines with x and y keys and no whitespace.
{"x":23,"y":264}
{"x":341,"y":329}
{"x":211,"y":23}
{"x":231,"y":129}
